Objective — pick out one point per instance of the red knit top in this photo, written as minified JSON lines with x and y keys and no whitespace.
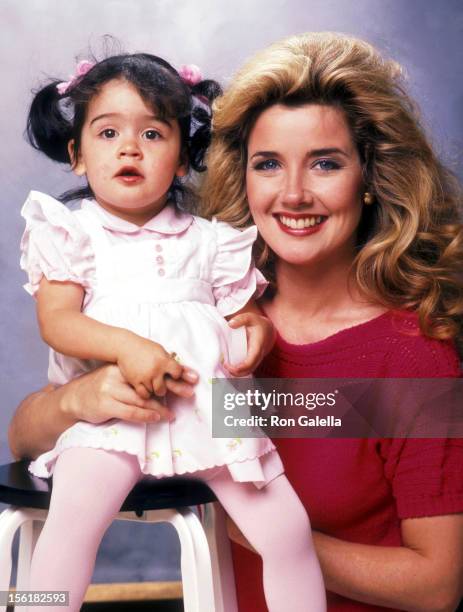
{"x":358,"y":490}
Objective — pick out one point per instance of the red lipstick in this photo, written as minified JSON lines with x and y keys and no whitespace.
{"x":301,"y":231}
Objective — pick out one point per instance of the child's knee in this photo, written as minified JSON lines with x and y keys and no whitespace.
{"x":291,"y":535}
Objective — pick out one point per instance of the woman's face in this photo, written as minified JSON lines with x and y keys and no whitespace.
{"x":304,"y":183}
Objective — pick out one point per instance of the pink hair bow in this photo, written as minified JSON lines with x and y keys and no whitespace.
{"x":190,"y":74}
{"x":81,"y":70}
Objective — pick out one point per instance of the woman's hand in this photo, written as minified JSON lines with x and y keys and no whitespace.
{"x":96,"y":397}
{"x":104,"y":394}
{"x":146,"y":365}
{"x":260,"y":335}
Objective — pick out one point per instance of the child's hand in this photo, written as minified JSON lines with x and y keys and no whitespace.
{"x":145,"y":363}
{"x":260,"y":335}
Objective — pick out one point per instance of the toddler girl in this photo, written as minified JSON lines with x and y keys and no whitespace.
{"x":133,"y":279}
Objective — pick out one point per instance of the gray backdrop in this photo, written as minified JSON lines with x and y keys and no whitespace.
{"x":42,"y":38}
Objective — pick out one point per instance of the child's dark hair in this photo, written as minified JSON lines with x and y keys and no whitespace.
{"x":55,"y":119}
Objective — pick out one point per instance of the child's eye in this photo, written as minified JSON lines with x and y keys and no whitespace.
{"x":268,"y":164}
{"x":108,"y":133}
{"x":326,"y":165}
{"x":151,"y":135}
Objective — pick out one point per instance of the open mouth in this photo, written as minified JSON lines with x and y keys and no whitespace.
{"x":129,"y":174}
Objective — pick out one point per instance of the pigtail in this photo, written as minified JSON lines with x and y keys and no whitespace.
{"x":48,"y":130}
{"x":203,"y":94}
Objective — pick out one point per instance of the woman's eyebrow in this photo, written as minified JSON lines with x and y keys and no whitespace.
{"x":327,"y":151}
{"x":264,"y":154}
{"x":116,"y":115}
{"x":310,"y":153}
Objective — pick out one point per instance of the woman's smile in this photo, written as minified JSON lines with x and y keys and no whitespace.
{"x":300,"y":225}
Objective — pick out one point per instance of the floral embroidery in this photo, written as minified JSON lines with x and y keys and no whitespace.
{"x":234,"y":443}
{"x":176,"y":452}
{"x":153,"y":455}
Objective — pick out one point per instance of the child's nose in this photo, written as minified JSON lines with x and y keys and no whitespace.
{"x":130,"y":148}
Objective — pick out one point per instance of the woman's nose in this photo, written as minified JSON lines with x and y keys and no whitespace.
{"x":295,"y":190}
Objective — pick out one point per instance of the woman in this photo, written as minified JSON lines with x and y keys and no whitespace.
{"x":361,"y":238}
{"x":316,"y":139}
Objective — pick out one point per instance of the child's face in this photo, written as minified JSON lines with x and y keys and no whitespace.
{"x":129,"y":155}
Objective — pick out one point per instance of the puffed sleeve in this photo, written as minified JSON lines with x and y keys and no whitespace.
{"x":234,"y":278}
{"x":54,"y":244}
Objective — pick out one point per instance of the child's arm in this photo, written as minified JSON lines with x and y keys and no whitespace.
{"x":260,"y":335}
{"x":66,"y":329}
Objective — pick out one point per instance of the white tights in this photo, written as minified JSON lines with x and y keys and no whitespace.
{"x":89,"y":487}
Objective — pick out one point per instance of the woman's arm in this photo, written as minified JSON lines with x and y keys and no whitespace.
{"x":426,"y":573}
{"x":95,"y":397}
{"x":423,"y":575}
{"x":37,"y":423}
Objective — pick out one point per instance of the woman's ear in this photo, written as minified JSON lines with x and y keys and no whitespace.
{"x":77,"y":165}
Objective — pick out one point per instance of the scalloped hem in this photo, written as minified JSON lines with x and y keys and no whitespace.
{"x":257,"y":469}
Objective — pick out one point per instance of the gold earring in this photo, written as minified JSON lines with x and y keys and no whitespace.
{"x":368,"y":198}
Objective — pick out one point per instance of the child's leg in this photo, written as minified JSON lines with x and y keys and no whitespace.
{"x":275,"y":522}
{"x":89,"y":487}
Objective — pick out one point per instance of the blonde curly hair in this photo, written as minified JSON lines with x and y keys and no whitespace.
{"x":410,"y":242}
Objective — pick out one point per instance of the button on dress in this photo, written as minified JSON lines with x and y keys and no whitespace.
{"x":173,"y":281}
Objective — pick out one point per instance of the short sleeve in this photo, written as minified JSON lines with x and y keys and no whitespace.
{"x":234,"y":278}
{"x":54,"y":244}
{"x":426,"y":475}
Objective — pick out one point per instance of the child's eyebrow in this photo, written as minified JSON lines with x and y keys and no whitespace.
{"x":144,"y":117}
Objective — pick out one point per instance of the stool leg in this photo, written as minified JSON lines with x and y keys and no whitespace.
{"x":187,"y":556}
{"x":29,"y":533}
{"x":203,"y":560}
{"x":197,"y":580}
{"x":10,"y":520}
{"x":214,"y":523}
{"x":8,"y":526}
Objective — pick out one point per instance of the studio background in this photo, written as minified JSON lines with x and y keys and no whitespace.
{"x":41,"y":39}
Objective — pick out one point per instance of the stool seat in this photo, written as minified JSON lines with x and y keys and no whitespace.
{"x":18,"y":487}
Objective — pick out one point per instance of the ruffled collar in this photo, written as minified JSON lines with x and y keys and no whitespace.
{"x":168,"y":221}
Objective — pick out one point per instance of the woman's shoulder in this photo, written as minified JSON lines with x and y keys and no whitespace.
{"x":388,"y":345}
{"x":411,"y":353}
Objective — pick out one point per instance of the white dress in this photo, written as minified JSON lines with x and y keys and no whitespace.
{"x":173,"y":281}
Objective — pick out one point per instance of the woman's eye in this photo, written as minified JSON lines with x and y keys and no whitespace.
{"x":268,"y":164}
{"x":151,"y":134}
{"x":326,"y":164}
{"x":108,"y":133}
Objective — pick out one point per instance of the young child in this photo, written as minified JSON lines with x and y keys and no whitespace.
{"x":131,"y":278}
